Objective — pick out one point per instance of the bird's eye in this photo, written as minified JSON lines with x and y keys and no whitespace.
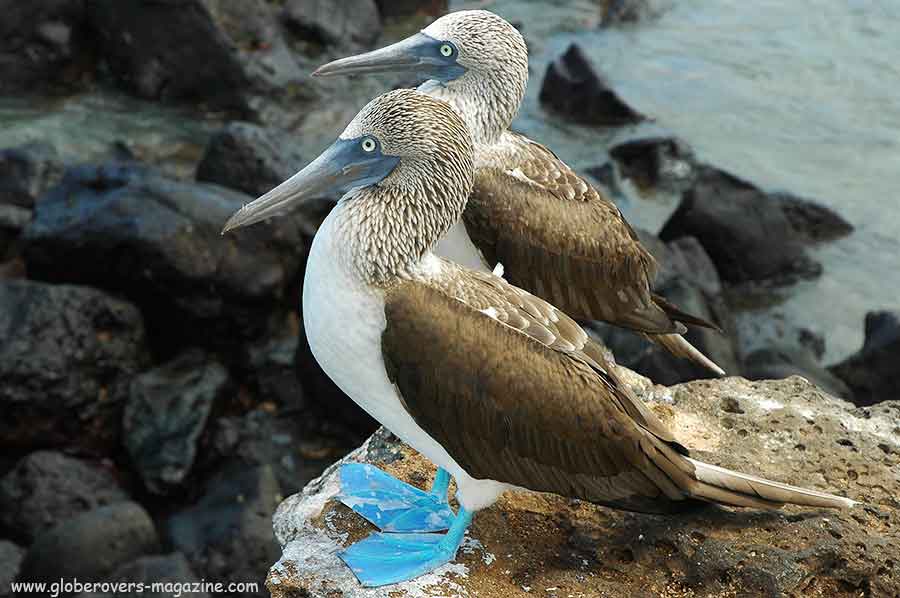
{"x":368,"y":144}
{"x":446,"y":50}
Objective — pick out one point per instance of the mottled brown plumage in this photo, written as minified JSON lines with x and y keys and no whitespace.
{"x":516,"y":392}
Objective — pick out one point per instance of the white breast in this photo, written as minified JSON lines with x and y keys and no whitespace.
{"x":456,"y":246}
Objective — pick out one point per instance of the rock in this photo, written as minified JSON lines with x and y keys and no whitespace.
{"x":574,"y":89}
{"x":13,"y":221}
{"x":27,"y":172}
{"x":273,"y":374}
{"x":228,"y":54}
{"x":682,"y":258}
{"x":250,"y":158}
{"x":47,"y":487}
{"x":325,"y":400}
{"x":165,"y":413}
{"x":171,"y":570}
{"x":92,"y":545}
{"x":529,"y":544}
{"x":134,"y":231}
{"x":64,"y":350}
{"x":814,"y":222}
{"x":286,"y":441}
{"x":745,"y":231}
{"x":11,"y":557}
{"x":872,"y":373}
{"x":783,"y":361}
{"x":45,"y":45}
{"x":617,"y":12}
{"x":405,"y":8}
{"x":349,"y":24}
{"x":665,"y":163}
{"x":227,"y":536}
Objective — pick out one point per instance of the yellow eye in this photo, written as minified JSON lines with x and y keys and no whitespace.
{"x":368,"y":144}
{"x":446,"y":50}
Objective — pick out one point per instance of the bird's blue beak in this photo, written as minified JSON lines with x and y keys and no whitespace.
{"x":420,"y":54}
{"x":342,"y":167}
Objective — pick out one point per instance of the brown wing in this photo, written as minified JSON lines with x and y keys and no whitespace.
{"x":557,"y":237}
{"x":528,"y":402}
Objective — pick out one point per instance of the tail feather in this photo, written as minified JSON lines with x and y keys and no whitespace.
{"x":721,"y":485}
{"x":678,"y":346}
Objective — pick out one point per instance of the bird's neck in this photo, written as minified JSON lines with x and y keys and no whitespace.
{"x":384,"y":232}
{"x":487,"y":104}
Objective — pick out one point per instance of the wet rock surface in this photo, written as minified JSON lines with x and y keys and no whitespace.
{"x":250,"y":158}
{"x":781,"y":361}
{"x":746,"y":232}
{"x":534,"y":544}
{"x":65,"y":349}
{"x":13,"y":220}
{"x":166,"y":411}
{"x":574,"y":89}
{"x":403,"y":8}
{"x":11,"y":556}
{"x":227,"y":535}
{"x":656,"y":162}
{"x":872,"y":373}
{"x":27,"y":172}
{"x":92,"y":545}
{"x":47,"y":487}
{"x":132,"y":230}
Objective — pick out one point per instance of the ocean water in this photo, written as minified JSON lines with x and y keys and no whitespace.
{"x":802,"y":97}
{"x":797,"y":96}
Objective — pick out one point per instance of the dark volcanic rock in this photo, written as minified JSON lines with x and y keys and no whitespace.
{"x":745,"y":231}
{"x":812,"y":221}
{"x":273,"y":373}
{"x":46,"y":488}
{"x":615,"y":12}
{"x":13,"y":221}
{"x":227,"y":536}
{"x":873,"y":373}
{"x":655,"y":162}
{"x":573,"y":88}
{"x":166,"y":411}
{"x":349,"y":23}
{"x":250,"y":158}
{"x":157,"y":240}
{"x":92,"y":545}
{"x":280,"y":440}
{"x":44,"y":45}
{"x":169,"y":569}
{"x":228,"y":54}
{"x":404,"y":8}
{"x":777,"y":362}
{"x":11,"y":557}
{"x":682,"y":258}
{"x":64,"y":348}
{"x":27,"y":172}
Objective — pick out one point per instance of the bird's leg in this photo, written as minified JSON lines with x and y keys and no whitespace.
{"x":392,"y":505}
{"x":383,"y":559}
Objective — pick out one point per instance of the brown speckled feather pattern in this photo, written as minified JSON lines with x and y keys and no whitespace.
{"x":582,"y":256}
{"x":536,"y":406}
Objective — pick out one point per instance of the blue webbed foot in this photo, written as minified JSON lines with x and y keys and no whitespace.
{"x":383,"y":559}
{"x":392,"y":505}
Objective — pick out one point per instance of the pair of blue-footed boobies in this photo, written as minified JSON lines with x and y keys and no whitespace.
{"x":498,"y":387}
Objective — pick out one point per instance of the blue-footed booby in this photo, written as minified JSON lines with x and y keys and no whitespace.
{"x":555,"y":234}
{"x":494,"y":385}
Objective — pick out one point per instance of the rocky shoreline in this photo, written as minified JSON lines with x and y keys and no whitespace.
{"x":160,"y":398}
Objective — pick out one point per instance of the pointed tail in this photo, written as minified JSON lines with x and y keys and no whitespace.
{"x":678,"y":346}
{"x":717,"y":484}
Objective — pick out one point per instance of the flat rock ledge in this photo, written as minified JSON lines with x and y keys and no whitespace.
{"x":531,"y":544}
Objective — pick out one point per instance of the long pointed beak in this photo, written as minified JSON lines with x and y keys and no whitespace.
{"x":415,"y":53}
{"x":340,"y":167}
